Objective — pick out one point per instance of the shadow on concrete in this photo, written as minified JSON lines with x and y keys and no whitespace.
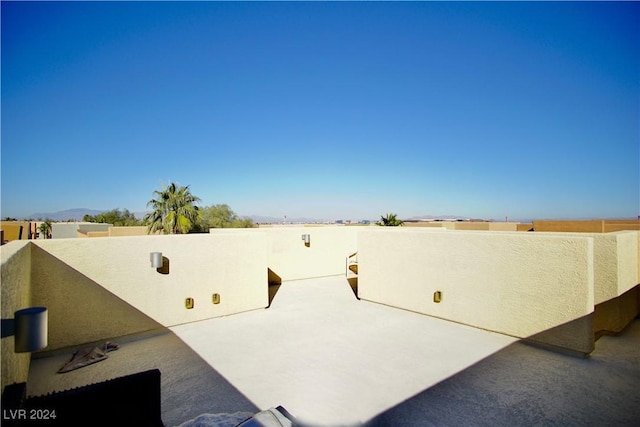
{"x":582,"y":372}
{"x":189,"y":385}
{"x":524,"y":385}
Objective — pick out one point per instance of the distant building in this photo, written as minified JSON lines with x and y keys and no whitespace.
{"x":70,"y":230}
{"x":15,"y":230}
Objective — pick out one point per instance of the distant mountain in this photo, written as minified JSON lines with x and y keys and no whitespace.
{"x":274,"y":220}
{"x":435,"y":217}
{"x":458,"y":217}
{"x":67,"y":215}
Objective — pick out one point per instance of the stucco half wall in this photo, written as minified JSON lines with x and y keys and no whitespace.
{"x":291,"y":259}
{"x":616,"y":261}
{"x":518,"y":284}
{"x":195,"y":266}
{"x":15,"y":272}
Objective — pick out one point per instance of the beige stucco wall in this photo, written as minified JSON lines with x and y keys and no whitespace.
{"x":465,"y":225}
{"x":605,"y":259}
{"x":93,"y":234}
{"x":79,"y":309}
{"x":616,"y":287}
{"x":612,"y":316}
{"x":584,"y":226}
{"x":117,"y":231}
{"x":92,"y":227}
{"x":471,"y":226}
{"x":199,"y":265}
{"x":609,"y":228}
{"x":289,"y":258}
{"x":616,"y":263}
{"x":65,"y":230}
{"x":514,"y":283}
{"x":15,"y":276}
{"x":503,"y":226}
{"x":524,"y":226}
{"x":490,"y":226}
{"x":487,"y":226}
{"x":426,"y":224}
{"x":128,"y":231}
{"x":587,"y":226}
{"x":615,"y":257}
{"x":628,"y":258}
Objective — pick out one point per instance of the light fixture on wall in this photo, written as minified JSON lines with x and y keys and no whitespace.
{"x":156,"y":259}
{"x":437,"y":296}
{"x":31,"y":329}
{"x":307,"y":239}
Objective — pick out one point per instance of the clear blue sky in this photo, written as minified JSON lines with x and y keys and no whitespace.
{"x":327,"y":110}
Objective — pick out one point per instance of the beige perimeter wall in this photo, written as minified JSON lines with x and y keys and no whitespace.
{"x":291,"y":259}
{"x":615,"y":260}
{"x":16,"y":294}
{"x":466,"y":225}
{"x":587,"y":226}
{"x":519,"y":284}
{"x":100,"y":281}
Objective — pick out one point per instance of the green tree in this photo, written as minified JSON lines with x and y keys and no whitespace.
{"x":115,"y":217}
{"x":174,"y":210}
{"x":221,"y":216}
{"x":243,"y":223}
{"x":45,"y":229}
{"x":390,"y":221}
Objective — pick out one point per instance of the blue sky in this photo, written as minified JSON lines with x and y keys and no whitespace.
{"x":332,"y":110}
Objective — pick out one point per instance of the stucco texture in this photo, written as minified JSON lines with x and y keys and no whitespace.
{"x":15,"y":277}
{"x":291,"y":259}
{"x":195,"y":266}
{"x":518,"y":284}
{"x":615,"y":261}
{"x":80,"y":310}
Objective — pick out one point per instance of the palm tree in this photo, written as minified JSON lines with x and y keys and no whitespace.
{"x":174,"y":210}
{"x":390,"y":221}
{"x":45,"y":229}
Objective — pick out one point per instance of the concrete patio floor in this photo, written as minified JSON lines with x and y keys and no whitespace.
{"x":189,"y":386}
{"x":332,"y":360}
{"x":523,"y":385}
